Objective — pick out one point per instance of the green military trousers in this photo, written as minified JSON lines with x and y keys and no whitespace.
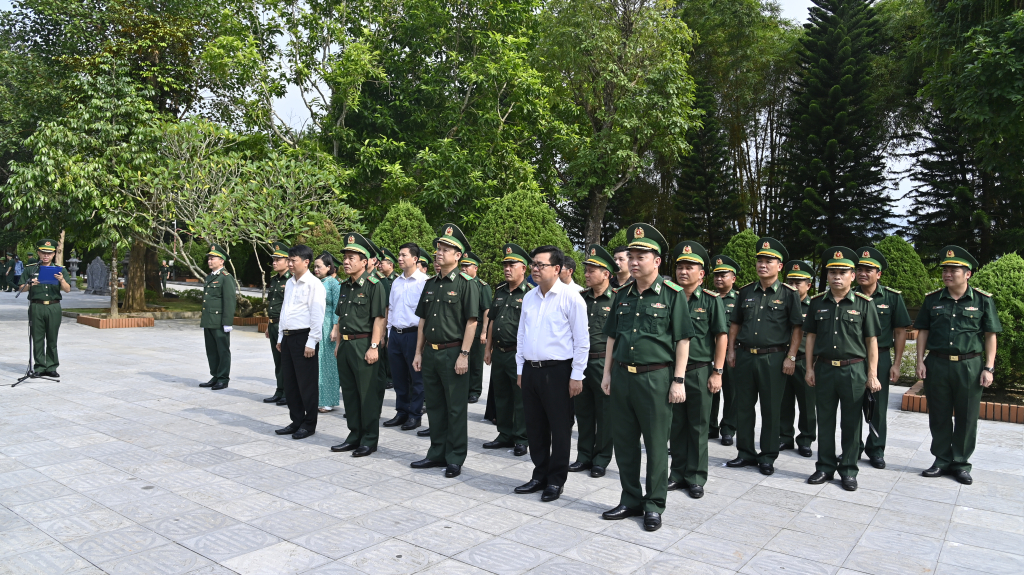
{"x":218,"y":353}
{"x":445,"y":392}
{"x":508,"y":398}
{"x":727,"y":398}
{"x":839,"y":388}
{"x":874,"y":445}
{"x":383,"y":373}
{"x":273,"y":329}
{"x":361,"y":391}
{"x":640,"y":409}
{"x":954,"y":392}
{"x":689,"y":439}
{"x":594,"y":445}
{"x":758,"y":377}
{"x":798,"y":395}
{"x":476,"y":363}
{"x":45,"y":322}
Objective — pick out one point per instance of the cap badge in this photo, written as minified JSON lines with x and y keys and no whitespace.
{"x":766,"y":246}
{"x":638,"y":233}
{"x":47,"y":243}
{"x":719,"y":261}
{"x":351,"y":239}
{"x":796,"y":267}
{"x":508,"y":250}
{"x":593,"y":252}
{"x":687,"y":250}
{"x":949,"y":253}
{"x":866,"y":254}
{"x":838,"y":255}
{"x":448,"y":231}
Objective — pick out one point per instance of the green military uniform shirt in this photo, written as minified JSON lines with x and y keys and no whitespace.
{"x":766,"y":317}
{"x":805,"y":304}
{"x":506,"y":307}
{"x":707,"y":313}
{"x":447,"y":303}
{"x":275,"y":294}
{"x":599,"y":307}
{"x":646,"y":326}
{"x":957,"y":327}
{"x":841,"y":326}
{"x":729,"y":302}
{"x":892,"y":313}
{"x":359,"y":302}
{"x":45,"y":292}
{"x":385,"y":281}
{"x":485,"y":298}
{"x":219,"y":299}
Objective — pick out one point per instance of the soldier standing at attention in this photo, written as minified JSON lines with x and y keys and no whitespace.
{"x":842,"y":335}
{"x":448,"y":310}
{"x":724,"y":273}
{"x":893,"y":321}
{"x":798,"y":393}
{"x":704,"y":369}
{"x":387,"y":275}
{"x":470,"y":266}
{"x":621,"y":257}
{"x":500,"y":352}
{"x":763,"y":341}
{"x":275,"y":297}
{"x":594,"y":446}
{"x":44,"y":308}
{"x":219,"y":298}
{"x":377,"y":257}
{"x":387,"y":266}
{"x":960,"y":362}
{"x":649,"y":334}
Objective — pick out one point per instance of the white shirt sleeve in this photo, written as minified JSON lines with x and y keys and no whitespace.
{"x":317,"y":306}
{"x":284,"y":309}
{"x":521,"y":334}
{"x":576,"y":313}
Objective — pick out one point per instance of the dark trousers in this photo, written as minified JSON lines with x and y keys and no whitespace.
{"x":549,"y":420}
{"x":594,"y":444}
{"x":272,"y":329}
{"x":798,"y":394}
{"x":476,"y":363}
{"x":508,"y":398}
{"x":362,"y":391}
{"x":874,"y":445}
{"x":954,"y":405}
{"x":640,"y":411}
{"x":758,"y":380}
{"x":727,"y":398}
{"x":218,"y":353}
{"x":839,"y":388}
{"x":408,"y":382}
{"x":446,"y":394}
{"x":689,"y":438}
{"x":45,"y":320}
{"x":301,"y":378}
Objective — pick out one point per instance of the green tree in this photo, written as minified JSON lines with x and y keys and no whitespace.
{"x":906,"y":272}
{"x":742,"y":248}
{"x":619,"y":239}
{"x":1004,"y":278}
{"x":403,"y":223}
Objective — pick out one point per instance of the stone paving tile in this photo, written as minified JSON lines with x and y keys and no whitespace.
{"x":393,"y":557}
{"x":504,"y":557}
{"x":281,"y":559}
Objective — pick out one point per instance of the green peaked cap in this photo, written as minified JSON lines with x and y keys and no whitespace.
{"x":646,"y":237}
{"x":724,"y":263}
{"x":451,"y":234}
{"x":691,"y":252}
{"x":469,"y":258}
{"x":514,"y":253}
{"x":355,"y":242}
{"x":957,"y":256}
{"x":388,"y":255}
{"x":871,"y":257}
{"x":798,"y":270}
{"x":598,"y":256}
{"x":279,"y":250}
{"x":216,"y":250}
{"x":424,"y":256}
{"x":772,"y":248}
{"x":374,"y":250}
{"x":839,"y":257}
{"x":46,"y":245}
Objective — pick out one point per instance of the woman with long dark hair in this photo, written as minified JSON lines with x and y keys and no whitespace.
{"x":326,"y":268}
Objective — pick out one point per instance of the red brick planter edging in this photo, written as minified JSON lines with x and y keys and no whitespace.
{"x":913,"y":401}
{"x":109,"y":323}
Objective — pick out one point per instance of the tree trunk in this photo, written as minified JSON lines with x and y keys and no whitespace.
{"x":598,"y":201}
{"x":153,"y":271}
{"x":58,"y":258}
{"x":113,"y":282}
{"x":135,"y":279}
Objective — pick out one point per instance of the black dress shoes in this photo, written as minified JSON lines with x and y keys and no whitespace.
{"x":551,"y":492}
{"x":963,"y":477}
{"x":344,"y":447}
{"x":426,"y":464}
{"x":453,"y":470}
{"x":932,"y":471}
{"x":784,"y":446}
{"x":411,"y":424}
{"x":652,"y":521}
{"x":597,"y":471}
{"x":577,"y":466}
{"x":849,"y":483}
{"x":50,"y":374}
{"x":739,"y":462}
{"x":520,"y":450}
{"x":273,"y":398}
{"x":473,"y":398}
{"x":766,"y":468}
{"x":497,"y":444}
{"x":287,"y":430}
{"x":363,"y":451}
{"x":210,"y":383}
{"x":282,"y":401}
{"x":621,"y":512}
{"x":726,"y":440}
{"x":397,"y":420}
{"x":804,"y":451}
{"x":877,"y":462}
{"x":819,"y":477}
{"x":674,"y":485}
{"x":219,"y":385}
{"x":302,"y":434}
{"x":695,"y":491}
{"x":389,"y":385}
{"x":531,"y":486}
{"x":713,"y":434}
{"x":425,"y":432}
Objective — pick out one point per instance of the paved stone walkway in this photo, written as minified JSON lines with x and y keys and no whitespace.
{"x":125,"y":466}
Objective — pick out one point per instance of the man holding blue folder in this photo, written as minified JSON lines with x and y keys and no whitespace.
{"x":44,"y":283}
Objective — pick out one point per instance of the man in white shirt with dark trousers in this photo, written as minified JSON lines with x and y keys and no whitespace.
{"x":298,"y":340}
{"x":553,"y":344}
{"x":403,"y":324}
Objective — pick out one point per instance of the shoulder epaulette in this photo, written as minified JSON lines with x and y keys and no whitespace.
{"x":673,"y":286}
{"x":790,"y":287}
{"x":933,"y":292}
{"x":482,"y":281}
{"x":746,"y":286}
{"x":711,"y":293}
{"x":983,"y":292}
{"x":501,"y":285}
{"x":819,"y":295}
{"x":372,"y":279}
{"x":466,"y":276}
{"x":225,"y":273}
{"x":861,"y":296}
{"x":894,"y":290}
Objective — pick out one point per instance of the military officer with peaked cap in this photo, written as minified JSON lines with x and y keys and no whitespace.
{"x":449,"y":309}
{"x":957,"y":326}
{"x":763,"y":341}
{"x":704,"y":369}
{"x":798,"y":394}
{"x":387,"y":266}
{"x":724,"y":272}
{"x":219,"y":298}
{"x":44,"y":313}
{"x":275,"y":299}
{"x":893,"y":320}
{"x":383,"y":376}
{"x":470,"y":265}
{"x":842,"y":351}
{"x":649,"y":333}
{"x":594,"y":445}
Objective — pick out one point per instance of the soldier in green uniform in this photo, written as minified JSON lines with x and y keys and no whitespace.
{"x":842,"y":348}
{"x":448,"y":310}
{"x":763,"y":341}
{"x":219,"y":298}
{"x":383,"y":367}
{"x":704,"y":369}
{"x":362,"y":305}
{"x":470,"y":266}
{"x":500,"y":352}
{"x":594,"y":446}
{"x":386,"y":266}
{"x":165,"y":274}
{"x":4,"y":285}
{"x":798,"y":393}
{"x":959,"y":366}
{"x":724,"y":273}
{"x":44,"y":308}
{"x":275,"y":297}
{"x":893,"y":321}
{"x":649,"y":333}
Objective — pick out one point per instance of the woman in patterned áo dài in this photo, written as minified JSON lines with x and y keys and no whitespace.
{"x":326,"y":269}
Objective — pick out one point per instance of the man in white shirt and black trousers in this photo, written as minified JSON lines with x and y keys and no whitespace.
{"x":298,"y":340}
{"x":552,"y":348}
{"x":403,"y":324}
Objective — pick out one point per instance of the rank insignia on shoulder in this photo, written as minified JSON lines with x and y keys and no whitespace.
{"x":466,"y":276}
{"x":934,"y":291}
{"x":853,"y":312}
{"x":711,"y":293}
{"x":819,"y":295}
{"x":746,"y":286}
{"x":658,"y":305}
{"x":862,"y":296}
{"x":983,"y":292}
{"x":673,"y":285}
{"x":790,"y":287}
{"x":894,"y":290}
{"x":483,"y":282}
{"x":373,"y":280}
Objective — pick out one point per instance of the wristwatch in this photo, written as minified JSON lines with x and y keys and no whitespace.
{"x":463,"y":352}
{"x":678,"y":380}
{"x":719,"y":370}
{"x":373,"y":346}
{"x":991,"y":370}
{"x":792,"y":358}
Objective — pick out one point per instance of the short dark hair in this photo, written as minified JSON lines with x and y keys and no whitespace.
{"x":569,"y":263}
{"x":328,"y":259}
{"x":555,"y":255}
{"x":619,"y":250}
{"x":302,"y":252}
{"x":414,"y":250}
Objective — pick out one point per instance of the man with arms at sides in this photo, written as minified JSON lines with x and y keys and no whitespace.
{"x":798,"y":393}
{"x":621,"y":257}
{"x":302,"y":318}
{"x":275,"y":297}
{"x":470,"y":266}
{"x":724,"y":273}
{"x":218,"y":317}
{"x":403,"y":325}
{"x":565,"y":276}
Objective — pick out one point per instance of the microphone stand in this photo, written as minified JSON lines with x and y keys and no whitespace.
{"x":29,"y":372}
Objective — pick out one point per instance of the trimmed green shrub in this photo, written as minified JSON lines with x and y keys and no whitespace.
{"x":192,"y":295}
{"x":404,"y":223}
{"x":1004,"y":279}
{"x":619,"y":239}
{"x":906,"y":271}
{"x":742,"y":248}
{"x":324,"y":236}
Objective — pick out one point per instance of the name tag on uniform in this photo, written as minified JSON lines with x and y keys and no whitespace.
{"x":938,"y":306}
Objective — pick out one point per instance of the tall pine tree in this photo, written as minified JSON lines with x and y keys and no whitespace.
{"x":834,"y":191}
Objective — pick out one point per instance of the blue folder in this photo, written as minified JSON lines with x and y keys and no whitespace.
{"x":46,"y":274}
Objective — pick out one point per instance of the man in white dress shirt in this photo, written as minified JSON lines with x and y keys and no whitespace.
{"x":565,"y":276}
{"x":552,"y":348}
{"x":298,"y":340}
{"x":402,"y":331}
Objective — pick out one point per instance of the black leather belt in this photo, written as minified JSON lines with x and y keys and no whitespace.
{"x":274,"y":320}
{"x":547,"y":363}
{"x":405,"y":329}
{"x":844,"y":362}
{"x":351,"y":336}
{"x":296,"y":331}
{"x":596,"y":355}
{"x":633,"y":368}
{"x":693,"y":366}
{"x":43,"y":301}
{"x":439,"y":346}
{"x":504,"y":349}
{"x":762,"y":350}
{"x":881,"y":349}
{"x":963,"y":357}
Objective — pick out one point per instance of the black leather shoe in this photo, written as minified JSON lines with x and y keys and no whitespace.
{"x":963,"y":477}
{"x":877,"y":462}
{"x":739,"y":462}
{"x":302,"y":434}
{"x":344,"y":447}
{"x":849,"y":483}
{"x":804,"y":451}
{"x":389,"y":385}
{"x":397,"y":420}
{"x":210,"y":383}
{"x":50,"y":374}
{"x":766,"y":468}
{"x":531,"y":486}
{"x":363,"y":451}
{"x":287,"y":430}
{"x":597,"y":471}
{"x":219,"y":385}
{"x":520,"y":450}
{"x":577,"y":466}
{"x":453,"y":471}
{"x":621,"y":512}
{"x":284,"y":401}
{"x":411,"y":424}
{"x":652,"y":521}
{"x":497,"y":444}
{"x":695,"y":491}
{"x":726,"y":440}
{"x":426,"y":464}
{"x":819,"y":477}
{"x":674,"y":485}
{"x":273,"y":398}
{"x":713,"y":434}
{"x":425,"y":432}
{"x":551,"y":492}
{"x":784,"y":446}
{"x":473,"y":398}
{"x":932,"y":471}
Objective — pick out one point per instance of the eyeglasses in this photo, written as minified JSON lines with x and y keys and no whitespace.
{"x":537,"y":266}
